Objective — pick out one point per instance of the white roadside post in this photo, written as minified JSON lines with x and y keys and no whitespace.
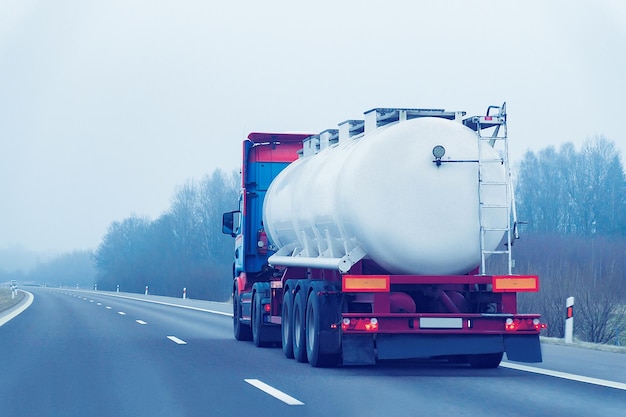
{"x":569,"y":320}
{"x":185,"y":293}
{"x":146,"y":293}
{"x":118,"y":288}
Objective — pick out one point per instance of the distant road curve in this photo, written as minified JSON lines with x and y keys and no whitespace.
{"x":11,"y":313}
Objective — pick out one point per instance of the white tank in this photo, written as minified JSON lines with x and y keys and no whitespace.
{"x":381,"y":194}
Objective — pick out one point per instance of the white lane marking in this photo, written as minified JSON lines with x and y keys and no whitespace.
{"x":108,"y":308}
{"x":141,"y":322}
{"x":565,"y":375}
{"x":121,"y":313}
{"x":29,"y":300}
{"x":91,"y":301}
{"x":206,"y":310}
{"x":99,"y":304}
{"x":287,"y":399}
{"x":177,"y":340}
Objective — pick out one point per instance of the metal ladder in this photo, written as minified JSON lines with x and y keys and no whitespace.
{"x":495,"y":194}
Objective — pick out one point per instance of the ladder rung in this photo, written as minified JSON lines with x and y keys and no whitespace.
{"x":494,"y":205}
{"x":495,"y":252}
{"x":495,"y":229}
{"x":485,"y":138}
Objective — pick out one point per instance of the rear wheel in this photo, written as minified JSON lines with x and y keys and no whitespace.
{"x":298,"y":330}
{"x":485,"y":360}
{"x":313,"y":339}
{"x":240,"y":330}
{"x":258,"y":333}
{"x":287,"y":335}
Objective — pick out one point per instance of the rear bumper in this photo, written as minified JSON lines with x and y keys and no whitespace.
{"x":365,"y":349}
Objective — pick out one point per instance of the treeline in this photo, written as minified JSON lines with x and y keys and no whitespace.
{"x":183,"y":248}
{"x":575,"y":239}
{"x":68,"y":270}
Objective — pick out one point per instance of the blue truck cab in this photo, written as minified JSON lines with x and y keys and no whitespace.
{"x":265,"y":155}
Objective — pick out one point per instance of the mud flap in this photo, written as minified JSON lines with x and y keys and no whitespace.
{"x":523,"y":348}
{"x":358,"y":350}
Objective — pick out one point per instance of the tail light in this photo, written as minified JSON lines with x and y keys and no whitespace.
{"x":360,"y":324}
{"x":512,"y":325}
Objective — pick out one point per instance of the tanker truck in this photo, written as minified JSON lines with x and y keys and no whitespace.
{"x":385,"y":238}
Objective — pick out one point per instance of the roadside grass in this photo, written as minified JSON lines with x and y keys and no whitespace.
{"x":6,"y":300}
{"x":584,"y":345}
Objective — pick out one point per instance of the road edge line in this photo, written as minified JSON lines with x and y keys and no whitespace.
{"x":18,"y":309}
{"x":565,"y":375}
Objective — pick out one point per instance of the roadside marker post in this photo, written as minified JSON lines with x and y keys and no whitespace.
{"x":569,"y":320}
{"x":185,"y":293}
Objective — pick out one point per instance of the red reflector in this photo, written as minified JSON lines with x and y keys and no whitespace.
{"x":267,"y":308}
{"x":488,"y":118}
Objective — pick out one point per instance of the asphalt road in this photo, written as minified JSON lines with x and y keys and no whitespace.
{"x":88,"y":354}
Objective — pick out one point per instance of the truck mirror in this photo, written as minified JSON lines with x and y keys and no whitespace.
{"x":230,"y":223}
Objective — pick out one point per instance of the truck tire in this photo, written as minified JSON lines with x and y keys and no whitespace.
{"x":241,"y":331}
{"x":313,"y":339}
{"x":298,"y":328}
{"x":286,"y":331}
{"x":485,"y":360}
{"x":258,"y":332}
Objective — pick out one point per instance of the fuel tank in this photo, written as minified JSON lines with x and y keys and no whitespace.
{"x":383,"y":194}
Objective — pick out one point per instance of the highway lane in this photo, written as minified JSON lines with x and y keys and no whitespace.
{"x":70,"y":355}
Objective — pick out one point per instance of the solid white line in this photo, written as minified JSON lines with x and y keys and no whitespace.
{"x":565,"y":375}
{"x":141,"y":322}
{"x":287,"y":399}
{"x":29,"y":300}
{"x":121,"y":313}
{"x":177,"y":340}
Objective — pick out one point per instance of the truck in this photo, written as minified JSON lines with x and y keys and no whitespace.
{"x":387,"y":238}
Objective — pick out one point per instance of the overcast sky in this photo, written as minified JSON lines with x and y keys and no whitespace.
{"x":107,"y":106}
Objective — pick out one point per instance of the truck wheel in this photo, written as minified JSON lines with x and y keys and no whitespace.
{"x":287,"y":334}
{"x":257,"y":321}
{"x":485,"y":360}
{"x":241,"y":331}
{"x":313,"y":340}
{"x":298,"y":330}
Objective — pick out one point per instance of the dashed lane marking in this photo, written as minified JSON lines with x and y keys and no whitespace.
{"x":141,"y":322}
{"x":107,"y":307}
{"x":177,"y":340}
{"x":287,"y":399}
{"x":121,"y":313}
